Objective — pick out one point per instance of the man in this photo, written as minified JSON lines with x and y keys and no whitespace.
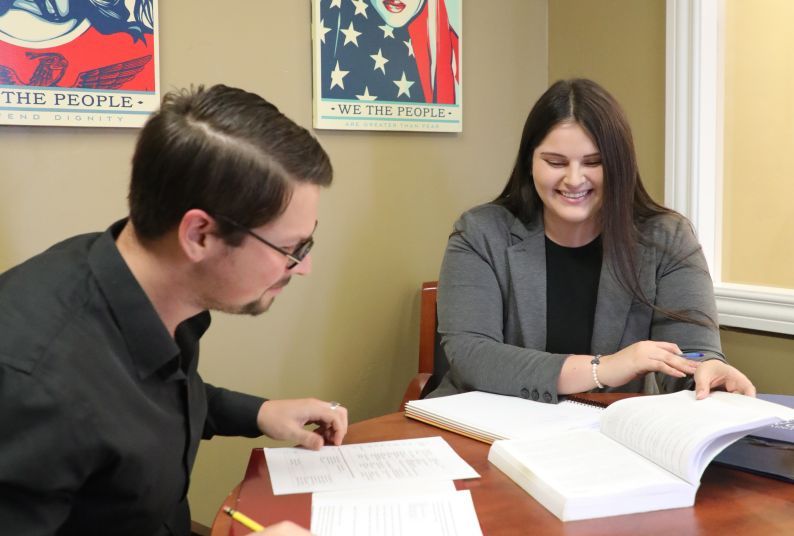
{"x":101,"y":404}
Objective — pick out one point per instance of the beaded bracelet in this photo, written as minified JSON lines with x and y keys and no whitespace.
{"x":595,"y":362}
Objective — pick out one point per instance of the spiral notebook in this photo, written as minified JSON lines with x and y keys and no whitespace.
{"x":488,"y":417}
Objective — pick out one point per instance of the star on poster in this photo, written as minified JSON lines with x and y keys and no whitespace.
{"x":387,"y":65}
{"x":78,"y":62}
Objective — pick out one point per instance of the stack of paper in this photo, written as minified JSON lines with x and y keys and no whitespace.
{"x":488,"y":417}
{"x":432,"y":509}
{"x":390,"y":487}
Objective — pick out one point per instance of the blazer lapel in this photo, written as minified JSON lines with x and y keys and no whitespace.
{"x":527,"y":267}
{"x":613,"y":306}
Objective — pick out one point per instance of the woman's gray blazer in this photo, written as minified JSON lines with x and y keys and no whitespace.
{"x":492,"y":305}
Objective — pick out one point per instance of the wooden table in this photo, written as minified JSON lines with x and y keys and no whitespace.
{"x":728,"y":501}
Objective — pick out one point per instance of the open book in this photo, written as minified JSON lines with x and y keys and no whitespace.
{"x":488,"y":417}
{"x":648,"y":454}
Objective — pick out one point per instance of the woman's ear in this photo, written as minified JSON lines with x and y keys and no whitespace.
{"x":197,"y":234}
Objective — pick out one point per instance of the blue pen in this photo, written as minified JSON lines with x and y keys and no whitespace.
{"x":692,"y":355}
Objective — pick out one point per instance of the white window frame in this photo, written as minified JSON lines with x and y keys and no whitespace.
{"x":693,"y":158}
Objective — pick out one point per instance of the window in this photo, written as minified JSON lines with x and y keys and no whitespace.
{"x":695,"y":182}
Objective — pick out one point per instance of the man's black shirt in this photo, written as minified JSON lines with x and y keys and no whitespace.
{"x":101,"y":410}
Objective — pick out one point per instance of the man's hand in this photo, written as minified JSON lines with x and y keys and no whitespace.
{"x":285,"y":420}
{"x":715,"y":373}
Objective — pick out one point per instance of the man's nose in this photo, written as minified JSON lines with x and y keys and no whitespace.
{"x":304,"y":267}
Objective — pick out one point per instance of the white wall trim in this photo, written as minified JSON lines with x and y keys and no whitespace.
{"x":693,"y":158}
{"x":755,"y":307}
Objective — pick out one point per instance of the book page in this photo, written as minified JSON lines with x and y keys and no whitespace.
{"x":682,"y":434}
{"x":390,"y":513}
{"x":583,"y":474}
{"x":586,"y":463}
{"x":384,"y":463}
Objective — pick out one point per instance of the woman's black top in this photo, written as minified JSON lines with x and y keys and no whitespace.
{"x":571,"y":292}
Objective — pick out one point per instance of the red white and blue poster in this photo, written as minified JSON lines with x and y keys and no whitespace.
{"x":388,"y":65}
{"x":89,"y":63}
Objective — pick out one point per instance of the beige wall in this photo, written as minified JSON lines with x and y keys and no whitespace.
{"x":349,"y":331}
{"x":759,"y":129}
{"x":621,"y":44}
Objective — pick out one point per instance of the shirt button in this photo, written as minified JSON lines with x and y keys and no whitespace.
{"x":535,"y":394}
{"x":524,"y":393}
{"x":547,"y":397}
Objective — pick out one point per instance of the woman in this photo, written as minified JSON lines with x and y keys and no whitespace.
{"x":574,"y":279}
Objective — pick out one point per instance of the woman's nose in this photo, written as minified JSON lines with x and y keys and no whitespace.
{"x":574,"y":176}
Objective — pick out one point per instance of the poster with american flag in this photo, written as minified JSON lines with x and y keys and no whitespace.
{"x":388,"y":65}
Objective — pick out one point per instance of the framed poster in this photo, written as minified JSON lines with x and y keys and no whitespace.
{"x":387,"y":65}
{"x":78,"y":62}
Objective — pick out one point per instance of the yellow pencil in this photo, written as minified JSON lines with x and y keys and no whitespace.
{"x":243,"y":519}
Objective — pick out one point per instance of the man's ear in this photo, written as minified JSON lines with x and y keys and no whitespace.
{"x":197,"y":234}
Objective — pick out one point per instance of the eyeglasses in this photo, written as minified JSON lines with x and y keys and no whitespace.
{"x":295,"y":256}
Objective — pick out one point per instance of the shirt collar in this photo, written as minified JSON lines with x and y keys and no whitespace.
{"x":147,"y":339}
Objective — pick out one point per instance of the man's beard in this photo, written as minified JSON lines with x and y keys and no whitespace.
{"x":253,"y":308}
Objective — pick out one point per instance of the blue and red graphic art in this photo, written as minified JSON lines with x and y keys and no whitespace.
{"x":51,"y":48}
{"x":383,"y":55}
{"x":394,"y":50}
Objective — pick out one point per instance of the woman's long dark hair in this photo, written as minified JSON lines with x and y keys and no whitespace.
{"x":625,"y":200}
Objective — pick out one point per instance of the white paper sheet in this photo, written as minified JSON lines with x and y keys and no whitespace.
{"x":384,"y":463}
{"x":394,"y":513}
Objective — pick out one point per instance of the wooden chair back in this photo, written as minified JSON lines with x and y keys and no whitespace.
{"x":432,"y":362}
{"x":428,"y":325}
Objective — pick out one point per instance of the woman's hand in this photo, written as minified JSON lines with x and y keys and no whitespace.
{"x":642,"y":357}
{"x":716,"y":373}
